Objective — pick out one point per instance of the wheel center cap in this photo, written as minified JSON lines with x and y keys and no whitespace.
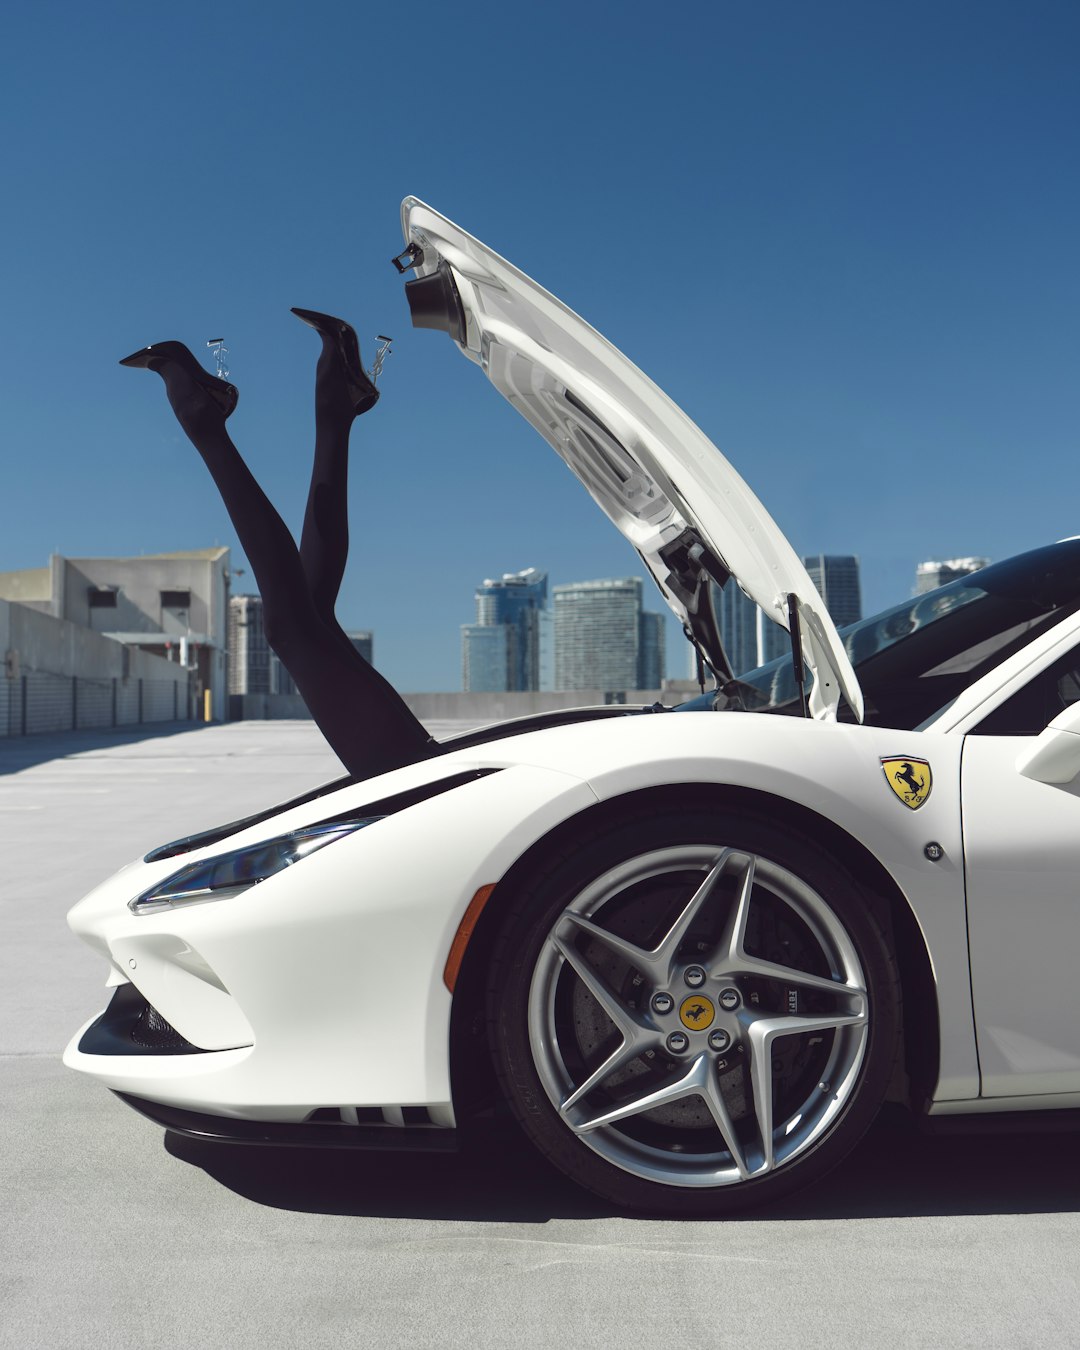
{"x":696,"y":1012}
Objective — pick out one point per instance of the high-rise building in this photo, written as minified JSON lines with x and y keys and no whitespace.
{"x":483,"y":657}
{"x":837,"y":578}
{"x":934,"y":573}
{"x":750,"y":639}
{"x":364,"y":642}
{"x":651,"y":653}
{"x":253,"y":667}
{"x":547,"y":649}
{"x":602,"y":638}
{"x":513,"y":604}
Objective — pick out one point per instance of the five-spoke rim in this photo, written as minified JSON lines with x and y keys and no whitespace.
{"x":718,"y":1046}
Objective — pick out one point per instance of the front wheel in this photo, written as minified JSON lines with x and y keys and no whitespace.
{"x":694,"y":1012}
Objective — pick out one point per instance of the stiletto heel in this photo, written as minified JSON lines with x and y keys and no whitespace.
{"x":163,"y":354}
{"x":342,"y":337}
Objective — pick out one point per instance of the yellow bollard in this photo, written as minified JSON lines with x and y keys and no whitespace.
{"x":208,"y":706}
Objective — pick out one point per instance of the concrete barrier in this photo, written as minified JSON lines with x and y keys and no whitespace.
{"x":60,"y":676}
{"x":471,"y":707}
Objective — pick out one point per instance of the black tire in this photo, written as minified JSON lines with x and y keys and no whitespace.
{"x":781,"y":953}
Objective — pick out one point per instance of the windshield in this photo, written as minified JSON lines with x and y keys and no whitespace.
{"x":914,"y":659}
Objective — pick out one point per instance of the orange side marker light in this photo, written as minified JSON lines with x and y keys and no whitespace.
{"x":465,"y":929}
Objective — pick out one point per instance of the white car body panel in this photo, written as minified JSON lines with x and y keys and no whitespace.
{"x":371,"y":960}
{"x":341,"y":982}
{"x":989,"y":1106}
{"x":1024,"y":902}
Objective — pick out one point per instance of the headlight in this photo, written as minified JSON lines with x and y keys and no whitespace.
{"x":233,"y":873}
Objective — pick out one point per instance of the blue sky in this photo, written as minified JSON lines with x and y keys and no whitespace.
{"x":843,"y":236}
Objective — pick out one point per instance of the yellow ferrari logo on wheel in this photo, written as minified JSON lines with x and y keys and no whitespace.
{"x":910,"y":779}
{"x":696,"y":1012}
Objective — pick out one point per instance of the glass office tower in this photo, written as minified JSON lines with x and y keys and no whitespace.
{"x":836,"y":575}
{"x":603,"y":638}
{"x":501,"y":650}
{"x":651,"y":664}
{"x":751,"y":639}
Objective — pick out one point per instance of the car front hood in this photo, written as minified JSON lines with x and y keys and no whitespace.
{"x":656,"y":475}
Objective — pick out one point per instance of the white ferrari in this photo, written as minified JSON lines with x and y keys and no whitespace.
{"x":694,"y":950}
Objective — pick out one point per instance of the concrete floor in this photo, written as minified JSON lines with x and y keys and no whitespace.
{"x":115,"y":1235}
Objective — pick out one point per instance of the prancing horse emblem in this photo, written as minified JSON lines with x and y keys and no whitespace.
{"x":696,"y":1012}
{"x":909,"y":778}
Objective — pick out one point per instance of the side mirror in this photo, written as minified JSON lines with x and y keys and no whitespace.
{"x":1055,"y":756}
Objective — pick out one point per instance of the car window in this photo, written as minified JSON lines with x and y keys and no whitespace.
{"x":1033,"y":707}
{"x":971,"y":658}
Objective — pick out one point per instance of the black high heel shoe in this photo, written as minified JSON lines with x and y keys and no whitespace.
{"x":361,"y":387}
{"x":163,"y":354}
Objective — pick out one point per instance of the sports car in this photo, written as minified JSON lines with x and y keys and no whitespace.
{"x":693,"y":950}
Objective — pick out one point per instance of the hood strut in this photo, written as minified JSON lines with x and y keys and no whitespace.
{"x":692,"y":566}
{"x":795,"y":632}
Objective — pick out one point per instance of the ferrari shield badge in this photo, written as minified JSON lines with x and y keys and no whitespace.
{"x":910,"y":779}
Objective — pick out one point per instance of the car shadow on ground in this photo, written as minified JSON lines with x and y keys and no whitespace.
{"x":495,"y":1177}
{"x":895,"y":1172}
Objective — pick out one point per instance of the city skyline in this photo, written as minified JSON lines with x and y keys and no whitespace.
{"x":749,"y":637}
{"x":595,"y":635}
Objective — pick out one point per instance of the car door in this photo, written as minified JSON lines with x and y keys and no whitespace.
{"x":1022,"y":860}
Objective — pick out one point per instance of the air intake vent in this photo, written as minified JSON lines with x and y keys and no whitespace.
{"x":152,"y":1031}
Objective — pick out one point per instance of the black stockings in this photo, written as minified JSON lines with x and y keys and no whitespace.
{"x":364,"y":719}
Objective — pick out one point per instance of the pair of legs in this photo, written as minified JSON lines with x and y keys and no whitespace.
{"x":363,"y":718}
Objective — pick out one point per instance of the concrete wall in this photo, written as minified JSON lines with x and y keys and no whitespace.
{"x":125,"y":617}
{"x":498,"y":707}
{"x":62,"y":648}
{"x":62,"y":590}
{"x":62,"y":675}
{"x":30,"y":587}
{"x":479,"y":708}
{"x":266,"y":707}
{"x":140,"y":582}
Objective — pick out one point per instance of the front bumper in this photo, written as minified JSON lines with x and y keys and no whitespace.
{"x":130,"y":1026}
{"x":319,"y":990}
{"x":321,"y":1132}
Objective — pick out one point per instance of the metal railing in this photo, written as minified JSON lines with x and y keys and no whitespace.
{"x":40,"y":701}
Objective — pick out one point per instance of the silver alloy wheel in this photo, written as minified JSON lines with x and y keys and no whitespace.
{"x":797,"y":1030}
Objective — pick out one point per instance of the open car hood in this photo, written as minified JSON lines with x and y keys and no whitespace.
{"x":656,"y":475}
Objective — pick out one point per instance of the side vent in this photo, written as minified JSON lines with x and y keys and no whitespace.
{"x":396,"y":1117}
